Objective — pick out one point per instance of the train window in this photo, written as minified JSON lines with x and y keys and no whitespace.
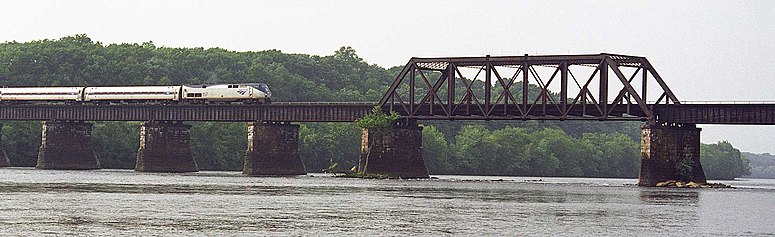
{"x":194,"y":94}
{"x":233,"y":86}
{"x":263,"y":87}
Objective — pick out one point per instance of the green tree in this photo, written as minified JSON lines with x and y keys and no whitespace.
{"x":219,"y":146}
{"x":722,"y":161}
{"x":619,"y":155}
{"x":473,"y":150}
{"x":21,"y":141}
{"x":565,"y":149}
{"x":512,"y":157}
{"x":436,"y":151}
{"x":324,"y":144}
{"x":543,"y":162}
{"x":116,"y":143}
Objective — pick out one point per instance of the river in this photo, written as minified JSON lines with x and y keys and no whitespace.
{"x":124,"y":202}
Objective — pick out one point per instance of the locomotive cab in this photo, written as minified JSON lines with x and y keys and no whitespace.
{"x":226,"y":93}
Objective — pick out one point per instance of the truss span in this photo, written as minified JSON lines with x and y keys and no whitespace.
{"x":554,"y":87}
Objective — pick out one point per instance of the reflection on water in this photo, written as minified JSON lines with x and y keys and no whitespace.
{"x":122,"y":202}
{"x":670,"y":197}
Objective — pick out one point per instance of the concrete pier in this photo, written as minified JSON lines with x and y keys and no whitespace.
{"x":4,"y":162}
{"x":273,"y":149}
{"x":663,"y":146}
{"x":66,"y":145}
{"x":164,"y":147}
{"x":394,"y":153}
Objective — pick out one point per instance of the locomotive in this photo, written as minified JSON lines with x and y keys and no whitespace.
{"x":246,"y":93}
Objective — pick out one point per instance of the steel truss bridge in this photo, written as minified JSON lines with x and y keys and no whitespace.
{"x":560,"y":87}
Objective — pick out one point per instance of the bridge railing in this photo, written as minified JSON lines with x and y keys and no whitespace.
{"x":727,"y":101}
{"x":343,"y":103}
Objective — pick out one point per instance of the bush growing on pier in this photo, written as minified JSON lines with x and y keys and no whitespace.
{"x":683,"y":168}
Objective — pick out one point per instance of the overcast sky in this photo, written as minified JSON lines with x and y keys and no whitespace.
{"x":709,"y":50}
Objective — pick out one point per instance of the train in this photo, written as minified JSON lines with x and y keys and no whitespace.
{"x":246,"y":93}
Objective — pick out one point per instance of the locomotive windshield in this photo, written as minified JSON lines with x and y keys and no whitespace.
{"x":263,"y":87}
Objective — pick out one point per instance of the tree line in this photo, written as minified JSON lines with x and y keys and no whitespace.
{"x":532,"y":148}
{"x":762,"y":165}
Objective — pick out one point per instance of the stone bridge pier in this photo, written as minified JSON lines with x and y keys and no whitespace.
{"x":66,"y":145}
{"x":273,"y":149}
{"x":4,"y":162}
{"x":164,"y":147}
{"x":669,"y":152}
{"x":394,"y":153}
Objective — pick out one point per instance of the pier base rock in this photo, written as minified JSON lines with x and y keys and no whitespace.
{"x":164,"y":147}
{"x":395,"y":153}
{"x":663,"y":147}
{"x":4,"y":162}
{"x":273,"y":150}
{"x":66,"y":145}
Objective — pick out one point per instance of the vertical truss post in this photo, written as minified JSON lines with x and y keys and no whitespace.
{"x":543,"y":101}
{"x":604,"y":89}
{"x":564,"y":87}
{"x":645,"y":79}
{"x":584,"y":102}
{"x":451,"y":86}
{"x":525,"y":73}
{"x":487,"y":86}
{"x":505,"y":93}
{"x":411,"y":87}
{"x":629,"y":97}
{"x":392,"y":101}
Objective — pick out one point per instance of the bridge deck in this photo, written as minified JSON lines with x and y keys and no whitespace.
{"x":763,"y":114}
{"x":289,"y":112}
{"x":751,"y":114}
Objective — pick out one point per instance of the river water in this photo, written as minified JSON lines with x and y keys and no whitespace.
{"x":124,"y":202}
